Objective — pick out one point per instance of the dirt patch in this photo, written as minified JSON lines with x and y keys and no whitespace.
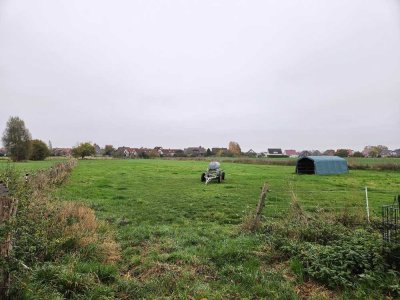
{"x":160,"y":269}
{"x":309,"y":289}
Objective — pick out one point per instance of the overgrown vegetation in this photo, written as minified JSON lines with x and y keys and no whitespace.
{"x":60,"y":249}
{"x":322,"y":248}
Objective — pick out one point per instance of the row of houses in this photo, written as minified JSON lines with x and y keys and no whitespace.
{"x":129,"y":152}
{"x":272,"y":152}
{"x":61,"y":151}
{"x":220,"y":151}
{"x":171,"y":152}
{"x":198,"y":152}
{"x":147,"y":152}
{"x":368,"y":151}
{"x":381,"y":151}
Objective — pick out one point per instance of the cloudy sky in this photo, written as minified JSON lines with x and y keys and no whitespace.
{"x":265,"y":73}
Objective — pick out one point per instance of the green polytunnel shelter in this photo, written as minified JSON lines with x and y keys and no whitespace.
{"x":321,"y":165}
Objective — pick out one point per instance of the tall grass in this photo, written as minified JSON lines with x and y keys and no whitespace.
{"x":331,"y":251}
{"x":51,"y":236}
{"x":376,"y":166}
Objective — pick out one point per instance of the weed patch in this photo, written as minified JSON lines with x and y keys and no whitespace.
{"x":53,"y":238}
{"x":336,"y":255}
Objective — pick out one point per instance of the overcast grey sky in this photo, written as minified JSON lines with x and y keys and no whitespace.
{"x":292,"y":74}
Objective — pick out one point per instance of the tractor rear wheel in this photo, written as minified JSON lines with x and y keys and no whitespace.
{"x":203,"y":177}
{"x":223,"y":175}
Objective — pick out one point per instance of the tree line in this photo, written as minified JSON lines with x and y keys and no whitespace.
{"x":20,"y":146}
{"x":19,"y":143}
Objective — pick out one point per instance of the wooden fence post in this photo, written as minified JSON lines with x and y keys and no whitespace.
{"x":8,"y":210}
{"x":260,"y":206}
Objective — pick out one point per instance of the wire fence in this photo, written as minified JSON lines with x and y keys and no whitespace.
{"x":364,"y":201}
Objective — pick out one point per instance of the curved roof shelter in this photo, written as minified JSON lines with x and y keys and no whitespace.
{"x":321,"y":165}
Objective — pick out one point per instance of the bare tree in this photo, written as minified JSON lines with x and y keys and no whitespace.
{"x":234,"y":148}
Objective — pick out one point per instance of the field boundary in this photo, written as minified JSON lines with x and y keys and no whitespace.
{"x":364,"y":201}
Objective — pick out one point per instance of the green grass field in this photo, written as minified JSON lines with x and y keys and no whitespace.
{"x":29,"y":166}
{"x":182,"y":239}
{"x":170,"y":187}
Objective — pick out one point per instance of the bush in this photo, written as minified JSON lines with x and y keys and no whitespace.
{"x":324,"y":249}
{"x":39,"y":150}
{"x":337,"y":259}
{"x":321,"y":232}
{"x":343,"y":262}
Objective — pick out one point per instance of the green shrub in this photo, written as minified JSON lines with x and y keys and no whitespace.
{"x":321,"y":232}
{"x":331,"y":254}
{"x":392,"y":255}
{"x":39,"y":150}
{"x":332,"y":251}
{"x":344,"y":261}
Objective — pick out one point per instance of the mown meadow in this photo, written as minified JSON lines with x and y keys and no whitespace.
{"x":181,"y":239}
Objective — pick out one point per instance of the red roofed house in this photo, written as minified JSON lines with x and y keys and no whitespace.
{"x":291,"y":153}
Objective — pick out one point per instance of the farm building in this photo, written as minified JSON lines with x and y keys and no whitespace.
{"x":321,"y":165}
